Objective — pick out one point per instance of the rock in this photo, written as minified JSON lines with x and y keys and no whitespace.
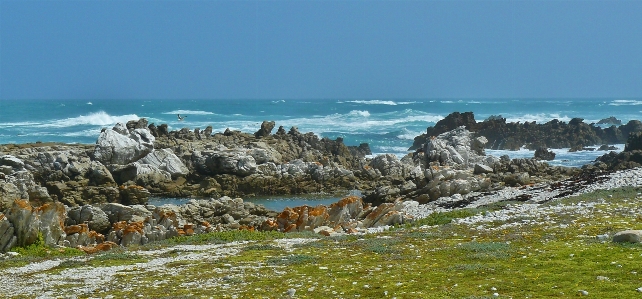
{"x":7,"y":238}
{"x":628,"y":236}
{"x":345,"y":210}
{"x":12,"y":161}
{"x":224,"y":162}
{"x":610,"y":121}
{"x":389,"y":165}
{"x":165,"y":159}
{"x":28,"y":222}
{"x":99,"y":175}
{"x":266,"y":129}
{"x":105,"y":246}
{"x":93,"y":216}
{"x":141,"y":174}
{"x":456,"y":148}
{"x":481,"y":168}
{"x":544,"y":154}
{"x":117,"y":213}
{"x":120,"y":146}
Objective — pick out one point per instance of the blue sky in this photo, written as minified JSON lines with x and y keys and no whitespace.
{"x":319,"y":49}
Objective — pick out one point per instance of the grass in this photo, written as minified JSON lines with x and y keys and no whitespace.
{"x":551,"y":255}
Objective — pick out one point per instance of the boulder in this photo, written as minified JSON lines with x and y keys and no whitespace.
{"x":544,"y":154}
{"x":266,"y":129}
{"x":165,"y":159}
{"x":7,"y":238}
{"x":390,"y":165}
{"x":122,"y":146}
{"x":92,"y":216}
{"x":628,"y":236}
{"x":481,"y":168}
{"x":28,"y":222}
{"x":234,"y":162}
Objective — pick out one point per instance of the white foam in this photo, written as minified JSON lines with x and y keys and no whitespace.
{"x":363,"y":113}
{"x":90,"y":103}
{"x":188,"y":112}
{"x":374,"y":102}
{"x":409,"y":135}
{"x":100,"y":118}
{"x":625,"y":103}
{"x":540,"y":118}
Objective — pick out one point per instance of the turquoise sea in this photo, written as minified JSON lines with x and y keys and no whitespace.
{"x":389,"y":126}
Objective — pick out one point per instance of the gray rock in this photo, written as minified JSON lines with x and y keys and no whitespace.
{"x":94,"y":217}
{"x":628,"y":236}
{"x":165,"y":159}
{"x":120,"y":146}
{"x":481,"y":168}
{"x":6,"y":234}
{"x":390,"y":165}
{"x":12,"y":161}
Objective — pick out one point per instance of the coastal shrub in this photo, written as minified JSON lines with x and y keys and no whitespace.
{"x":294,"y":259}
{"x":441,"y":218}
{"x":486,"y":250}
{"x":379,"y":245}
{"x":226,"y":237}
{"x":611,"y":195}
{"x":39,"y":249}
{"x":259,"y":247}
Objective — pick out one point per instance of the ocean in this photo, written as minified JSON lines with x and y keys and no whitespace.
{"x":389,"y":126}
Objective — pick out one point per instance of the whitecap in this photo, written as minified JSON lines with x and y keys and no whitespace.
{"x":409,"y":135}
{"x":188,"y":112}
{"x":625,"y":103}
{"x":100,"y":118}
{"x":363,"y":113}
{"x":374,"y":102}
{"x":90,"y":103}
{"x":539,"y":118}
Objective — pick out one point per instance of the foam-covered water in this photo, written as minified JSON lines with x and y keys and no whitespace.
{"x":389,"y":126}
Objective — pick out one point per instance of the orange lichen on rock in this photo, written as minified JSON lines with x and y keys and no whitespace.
{"x":246,"y":227}
{"x":24,"y":204}
{"x":269,"y":225}
{"x":98,"y":248}
{"x":346,"y":201}
{"x":100,"y":238}
{"x":289,"y":228}
{"x":134,"y":227}
{"x":76,"y":229}
{"x":119,"y":225}
{"x":188,"y":229}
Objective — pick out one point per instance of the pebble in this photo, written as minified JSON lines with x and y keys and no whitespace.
{"x":583,"y":293}
{"x":291,"y":292}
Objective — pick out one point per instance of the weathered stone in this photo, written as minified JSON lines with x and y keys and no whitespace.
{"x":165,"y":159}
{"x":120,"y":146}
{"x":628,"y":236}
{"x":28,"y":222}
{"x":481,"y":168}
{"x":266,"y":129}
{"x":6,"y":234}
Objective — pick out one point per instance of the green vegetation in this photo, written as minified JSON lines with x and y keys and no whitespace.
{"x":551,"y":254}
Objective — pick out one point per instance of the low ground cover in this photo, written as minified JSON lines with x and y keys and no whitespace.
{"x":558,"y":249}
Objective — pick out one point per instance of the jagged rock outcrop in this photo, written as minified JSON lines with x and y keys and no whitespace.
{"x":513,"y":136}
{"x":631,"y":157}
{"x":343,"y":216}
{"x":544,"y":154}
{"x":28,"y":222}
{"x":7,"y":238}
{"x":121,"y":145}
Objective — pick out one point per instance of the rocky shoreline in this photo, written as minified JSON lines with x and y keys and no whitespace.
{"x":94,"y":197}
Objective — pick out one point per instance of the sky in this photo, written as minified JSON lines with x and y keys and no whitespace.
{"x":171,"y":49}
